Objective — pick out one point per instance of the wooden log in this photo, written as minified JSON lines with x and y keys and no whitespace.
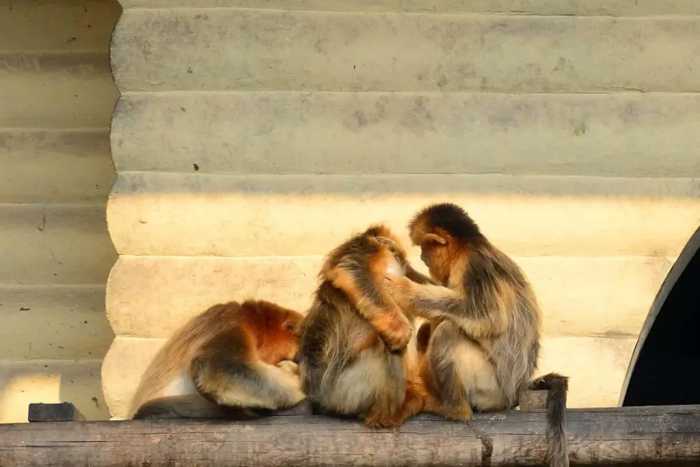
{"x":596,"y":437}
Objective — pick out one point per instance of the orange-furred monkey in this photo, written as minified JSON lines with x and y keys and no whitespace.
{"x":484,"y":343}
{"x":230,"y":358}
{"x":354,"y":336}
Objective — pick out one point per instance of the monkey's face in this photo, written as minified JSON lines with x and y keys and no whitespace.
{"x":437,"y":258}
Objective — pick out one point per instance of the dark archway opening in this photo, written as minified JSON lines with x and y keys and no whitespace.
{"x":667,"y":368}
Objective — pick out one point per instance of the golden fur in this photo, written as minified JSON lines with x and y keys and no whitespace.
{"x":234,"y":355}
{"x":353,"y":359}
{"x":485,"y":341}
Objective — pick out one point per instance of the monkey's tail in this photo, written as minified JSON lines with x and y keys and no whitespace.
{"x":557,"y":385}
{"x":176,"y":354}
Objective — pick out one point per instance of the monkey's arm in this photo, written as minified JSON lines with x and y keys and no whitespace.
{"x":233,"y":382}
{"x":416,"y":276}
{"x":478,"y":319}
{"x":378,"y":309}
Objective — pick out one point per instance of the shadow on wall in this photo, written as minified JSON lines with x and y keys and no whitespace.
{"x":48,"y":382}
{"x":57,"y":97}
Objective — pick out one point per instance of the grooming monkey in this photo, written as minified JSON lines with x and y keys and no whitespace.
{"x":484,"y":340}
{"x":231,"y":358}
{"x":354,"y":336}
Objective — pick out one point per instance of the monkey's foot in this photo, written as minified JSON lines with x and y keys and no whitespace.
{"x":382,"y":421}
{"x":462,"y":413}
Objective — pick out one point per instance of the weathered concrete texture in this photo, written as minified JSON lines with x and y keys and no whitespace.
{"x":56,"y":25}
{"x":161,"y":50}
{"x":293,"y":132}
{"x":53,"y":322}
{"x":56,"y":99}
{"x":22,"y":383}
{"x":178,"y":214}
{"x":72,"y":90}
{"x":517,"y":7}
{"x":54,"y":244}
{"x":55,"y":166}
{"x":152,"y":296}
{"x":596,"y":367}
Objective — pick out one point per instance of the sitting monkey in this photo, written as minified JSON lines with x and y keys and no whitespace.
{"x":484,"y":343}
{"x":354,"y":336}
{"x":484,"y":338}
{"x":227,"y":360}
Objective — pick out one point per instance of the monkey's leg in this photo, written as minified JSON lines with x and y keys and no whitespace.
{"x":452,"y":400}
{"x":381,"y":312}
{"x":371,"y":387}
{"x":415,"y":402}
{"x":231,"y":382}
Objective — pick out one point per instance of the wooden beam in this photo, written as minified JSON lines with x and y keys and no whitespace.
{"x":596,"y":437}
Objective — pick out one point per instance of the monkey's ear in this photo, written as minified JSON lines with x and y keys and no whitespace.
{"x":434,"y":238}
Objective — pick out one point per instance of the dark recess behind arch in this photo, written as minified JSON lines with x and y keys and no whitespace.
{"x":667,"y":370}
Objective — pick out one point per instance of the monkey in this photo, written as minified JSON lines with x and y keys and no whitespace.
{"x":231,"y":359}
{"x":354,"y":337}
{"x":485,"y":333}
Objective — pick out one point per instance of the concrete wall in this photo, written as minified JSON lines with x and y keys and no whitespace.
{"x":252,"y":136}
{"x":56,"y":100}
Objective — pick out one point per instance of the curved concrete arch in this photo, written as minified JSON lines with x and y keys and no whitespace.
{"x":679,"y":273}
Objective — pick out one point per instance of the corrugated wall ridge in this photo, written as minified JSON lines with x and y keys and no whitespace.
{"x":251,"y":137}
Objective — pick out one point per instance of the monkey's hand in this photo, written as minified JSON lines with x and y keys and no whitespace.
{"x":400,"y":289}
{"x":289,"y":366}
{"x":394,"y":328}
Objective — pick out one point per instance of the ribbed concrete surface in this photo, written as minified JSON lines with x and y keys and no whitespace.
{"x":256,"y":50}
{"x":50,"y":381}
{"x":269,"y":132}
{"x":56,"y":25}
{"x":57,"y":90}
{"x":517,"y":7}
{"x":252,"y":137}
{"x":56,"y":95}
{"x":55,"y":166}
{"x":152,"y":296}
{"x":54,"y":244}
{"x":53,"y":322}
{"x":153,"y":213}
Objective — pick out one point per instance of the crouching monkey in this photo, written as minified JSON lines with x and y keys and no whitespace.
{"x":227,"y":360}
{"x":484,"y":341}
{"x":354,"y":336}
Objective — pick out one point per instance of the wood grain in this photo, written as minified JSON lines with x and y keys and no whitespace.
{"x":596,"y":437}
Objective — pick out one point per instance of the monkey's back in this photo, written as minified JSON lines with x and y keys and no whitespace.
{"x":330,"y":333}
{"x":517,"y":350}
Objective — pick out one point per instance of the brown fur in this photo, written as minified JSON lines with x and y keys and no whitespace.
{"x":352,"y":359}
{"x":235,"y":355}
{"x":484,"y":349}
{"x":556,"y":386}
